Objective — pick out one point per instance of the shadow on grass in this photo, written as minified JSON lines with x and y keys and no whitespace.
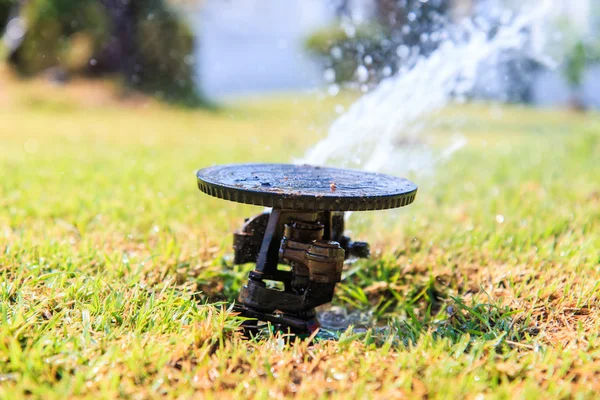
{"x":377,"y":304}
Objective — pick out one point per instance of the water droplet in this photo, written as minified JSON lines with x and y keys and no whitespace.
{"x":499,"y":218}
{"x":15,"y":29}
{"x":333,"y":90}
{"x":411,"y":16}
{"x":336,"y":52}
{"x":402,"y":51}
{"x":280,"y":344}
{"x":350,"y":30}
{"x":362,"y":73}
{"x":31,"y":146}
{"x":368,"y":60}
{"x":188,"y":59}
{"x":329,"y":75}
{"x":338,"y":375}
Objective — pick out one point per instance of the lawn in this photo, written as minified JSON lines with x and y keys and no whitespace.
{"x":114,"y":266}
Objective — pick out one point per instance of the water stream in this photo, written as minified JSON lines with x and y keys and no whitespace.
{"x":384,"y":130}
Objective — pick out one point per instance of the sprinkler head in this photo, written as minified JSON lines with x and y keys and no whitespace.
{"x":298,"y":246}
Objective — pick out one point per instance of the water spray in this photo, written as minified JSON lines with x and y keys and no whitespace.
{"x":382,"y":130}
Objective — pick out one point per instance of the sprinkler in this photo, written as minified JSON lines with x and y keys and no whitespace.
{"x":298,"y":246}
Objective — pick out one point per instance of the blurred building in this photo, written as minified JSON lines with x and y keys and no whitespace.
{"x":253,"y":46}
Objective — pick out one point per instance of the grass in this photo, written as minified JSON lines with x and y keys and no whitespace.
{"x":113,"y":265}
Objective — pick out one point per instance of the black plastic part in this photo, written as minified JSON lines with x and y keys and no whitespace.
{"x":305,"y":187}
{"x":248,"y":241}
{"x":257,"y":296}
{"x":287,"y":323}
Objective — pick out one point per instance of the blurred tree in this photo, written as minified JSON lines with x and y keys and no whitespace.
{"x":343,"y":51}
{"x":411,"y":21}
{"x":53,"y":28}
{"x":144,"y":41}
{"x":575,"y":63}
{"x":580,"y":49}
{"x":578,"y":57}
{"x":400,"y":30}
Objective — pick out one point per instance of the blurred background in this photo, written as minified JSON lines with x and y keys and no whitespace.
{"x":198,"y":52}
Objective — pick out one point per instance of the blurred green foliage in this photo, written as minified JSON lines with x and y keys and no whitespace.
{"x":344,"y":50}
{"x":165,"y":52}
{"x":575,"y":64}
{"x":578,"y":56}
{"x":55,"y":29}
{"x":145,"y":42}
{"x":381,"y":44}
{"x":578,"y":49}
